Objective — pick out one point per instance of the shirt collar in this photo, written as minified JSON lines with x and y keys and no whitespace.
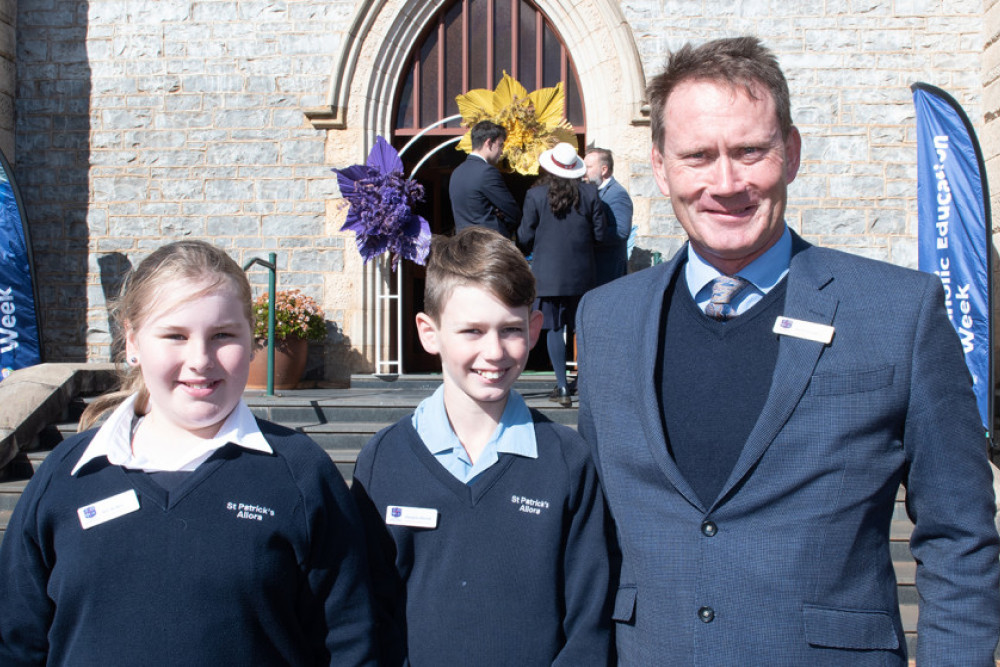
{"x":114,"y":441}
{"x":763,"y":273}
{"x":605,"y":183}
{"x":515,"y":434}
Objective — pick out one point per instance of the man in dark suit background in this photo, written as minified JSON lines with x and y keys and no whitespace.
{"x":755,"y":403}
{"x":478,"y":193}
{"x":610,"y":256}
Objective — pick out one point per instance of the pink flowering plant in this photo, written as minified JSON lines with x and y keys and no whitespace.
{"x":295,"y":314}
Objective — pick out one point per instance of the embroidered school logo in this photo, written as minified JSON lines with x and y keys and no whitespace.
{"x":251,"y":512}
{"x":397,"y":512}
{"x":89,"y":512}
{"x":529,"y":505}
{"x":786,"y":323}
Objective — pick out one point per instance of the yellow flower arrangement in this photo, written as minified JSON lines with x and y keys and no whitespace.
{"x":534,"y":121}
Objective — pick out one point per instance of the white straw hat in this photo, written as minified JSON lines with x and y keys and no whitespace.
{"x":562,"y":160}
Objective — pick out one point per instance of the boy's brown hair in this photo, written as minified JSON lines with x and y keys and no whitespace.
{"x":477,"y":257}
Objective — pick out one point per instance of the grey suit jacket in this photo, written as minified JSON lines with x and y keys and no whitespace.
{"x":790,"y":565}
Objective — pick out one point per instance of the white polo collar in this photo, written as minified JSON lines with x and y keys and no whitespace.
{"x":114,"y":440}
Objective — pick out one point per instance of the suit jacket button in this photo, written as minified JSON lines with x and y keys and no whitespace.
{"x":709,"y":529}
{"x":706,"y":614}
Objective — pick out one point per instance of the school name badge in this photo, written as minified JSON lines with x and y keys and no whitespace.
{"x":413,"y":517}
{"x":814,"y":331}
{"x":108,"y":509}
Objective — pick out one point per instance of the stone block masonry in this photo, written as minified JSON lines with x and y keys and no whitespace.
{"x":145,"y":121}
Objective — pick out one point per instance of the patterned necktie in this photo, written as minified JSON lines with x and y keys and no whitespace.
{"x":724,"y":289}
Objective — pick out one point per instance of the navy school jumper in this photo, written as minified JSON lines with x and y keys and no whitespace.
{"x":252,"y":559}
{"x":516,"y":571}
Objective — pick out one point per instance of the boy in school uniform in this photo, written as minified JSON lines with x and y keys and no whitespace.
{"x":485,"y":519}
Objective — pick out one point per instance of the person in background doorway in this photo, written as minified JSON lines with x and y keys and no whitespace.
{"x":477,"y":190}
{"x":562,"y":226}
{"x":611,"y":256}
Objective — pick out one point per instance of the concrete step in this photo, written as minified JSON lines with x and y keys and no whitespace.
{"x":378,"y":406}
{"x":10,"y":493}
{"x":908,"y":614}
{"x":528,"y":382}
{"x":900,"y":529}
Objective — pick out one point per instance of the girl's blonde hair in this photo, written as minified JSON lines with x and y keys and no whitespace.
{"x":194,"y":261}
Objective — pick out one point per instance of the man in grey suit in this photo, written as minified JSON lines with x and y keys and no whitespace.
{"x":610,"y":256}
{"x":755,"y":403}
{"x":478,"y":193}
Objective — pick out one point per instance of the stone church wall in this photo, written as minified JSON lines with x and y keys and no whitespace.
{"x":142,"y":121}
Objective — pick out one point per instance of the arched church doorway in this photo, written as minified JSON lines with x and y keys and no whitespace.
{"x":469,"y":44}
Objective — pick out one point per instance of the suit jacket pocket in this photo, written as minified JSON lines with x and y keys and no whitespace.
{"x":827,"y":384}
{"x":625,"y":605}
{"x":849,"y":628}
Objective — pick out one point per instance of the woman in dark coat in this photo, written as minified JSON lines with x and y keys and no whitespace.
{"x":562,"y":222}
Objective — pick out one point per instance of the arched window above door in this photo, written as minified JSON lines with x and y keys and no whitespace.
{"x":469,"y":44}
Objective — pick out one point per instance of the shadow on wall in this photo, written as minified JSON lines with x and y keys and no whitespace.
{"x":643,"y":258}
{"x":114,"y":268}
{"x":340,"y":358}
{"x":52,"y":131}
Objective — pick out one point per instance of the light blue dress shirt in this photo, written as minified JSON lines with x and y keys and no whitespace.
{"x":763,"y":274}
{"x":515,"y":434}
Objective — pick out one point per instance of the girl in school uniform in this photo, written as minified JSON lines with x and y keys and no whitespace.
{"x":184,"y":531}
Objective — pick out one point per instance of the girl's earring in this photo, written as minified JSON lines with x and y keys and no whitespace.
{"x":132,"y":361}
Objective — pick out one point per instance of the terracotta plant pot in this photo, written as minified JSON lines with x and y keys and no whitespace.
{"x":289,"y":363}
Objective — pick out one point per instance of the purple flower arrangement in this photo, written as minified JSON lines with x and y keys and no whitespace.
{"x":381,"y":211}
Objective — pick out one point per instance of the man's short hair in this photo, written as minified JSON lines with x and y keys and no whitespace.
{"x":604,"y":155}
{"x":740,"y":62}
{"x":477,"y":257}
{"x":487,"y":130}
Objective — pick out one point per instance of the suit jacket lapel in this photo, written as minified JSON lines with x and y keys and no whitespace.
{"x":804,"y":300}
{"x":650,"y":413}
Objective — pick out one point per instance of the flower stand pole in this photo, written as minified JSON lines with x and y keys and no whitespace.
{"x":272,"y":284}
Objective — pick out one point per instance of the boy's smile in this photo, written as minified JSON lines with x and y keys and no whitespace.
{"x":483,"y":345}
